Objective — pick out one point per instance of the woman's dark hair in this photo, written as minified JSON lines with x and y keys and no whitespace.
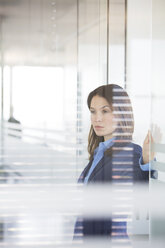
{"x":120,"y":104}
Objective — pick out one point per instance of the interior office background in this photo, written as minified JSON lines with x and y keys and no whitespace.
{"x":52,"y":54}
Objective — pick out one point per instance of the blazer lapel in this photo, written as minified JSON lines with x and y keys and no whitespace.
{"x":83,"y":174}
{"x":102,"y":163}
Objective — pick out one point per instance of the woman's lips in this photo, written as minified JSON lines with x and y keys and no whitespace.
{"x":98,"y":127}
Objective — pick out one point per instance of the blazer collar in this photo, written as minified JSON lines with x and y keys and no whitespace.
{"x":105,"y":159}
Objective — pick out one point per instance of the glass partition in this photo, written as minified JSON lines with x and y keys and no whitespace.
{"x":157,"y":188}
{"x":92,"y":59}
{"x":145,"y":75}
{"x":52,"y":54}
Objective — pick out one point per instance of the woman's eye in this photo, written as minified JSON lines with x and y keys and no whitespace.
{"x":92,"y":112}
{"x":105,"y":111}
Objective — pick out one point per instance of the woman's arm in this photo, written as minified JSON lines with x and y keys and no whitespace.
{"x":148,"y":155}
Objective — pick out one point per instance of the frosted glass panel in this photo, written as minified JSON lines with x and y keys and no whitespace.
{"x":157,"y":115}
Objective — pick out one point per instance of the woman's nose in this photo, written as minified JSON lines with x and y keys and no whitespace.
{"x":98,"y":117}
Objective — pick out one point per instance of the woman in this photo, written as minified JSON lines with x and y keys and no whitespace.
{"x":113,"y":157}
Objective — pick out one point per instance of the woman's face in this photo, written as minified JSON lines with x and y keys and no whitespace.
{"x":102,"y":117}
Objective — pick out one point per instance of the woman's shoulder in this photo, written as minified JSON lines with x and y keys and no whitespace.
{"x":133,"y":146}
{"x":137,"y":149}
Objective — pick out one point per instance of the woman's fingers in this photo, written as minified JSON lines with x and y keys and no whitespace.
{"x":149,"y":138}
{"x":147,"y":154}
{"x":146,"y":141}
{"x":156,"y":132}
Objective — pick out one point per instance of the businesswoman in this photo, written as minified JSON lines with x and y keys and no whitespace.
{"x":113,"y":157}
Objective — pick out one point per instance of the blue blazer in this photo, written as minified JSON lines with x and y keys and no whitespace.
{"x":125,"y":157}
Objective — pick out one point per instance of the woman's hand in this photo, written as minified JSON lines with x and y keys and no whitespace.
{"x":148,"y":155}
